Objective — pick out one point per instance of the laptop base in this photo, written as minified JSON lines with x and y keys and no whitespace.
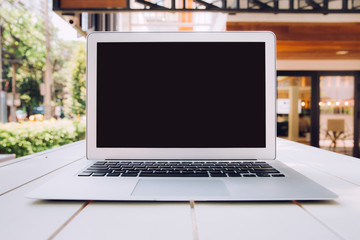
{"x":292,"y":187}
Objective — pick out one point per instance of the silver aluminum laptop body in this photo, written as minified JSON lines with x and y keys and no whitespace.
{"x":181,"y":97}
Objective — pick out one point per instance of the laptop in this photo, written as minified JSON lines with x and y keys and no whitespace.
{"x":181,"y":116}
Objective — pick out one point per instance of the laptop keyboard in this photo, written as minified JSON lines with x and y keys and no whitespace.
{"x":180,"y":169}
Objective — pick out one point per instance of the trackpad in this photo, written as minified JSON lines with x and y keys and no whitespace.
{"x":180,"y":187}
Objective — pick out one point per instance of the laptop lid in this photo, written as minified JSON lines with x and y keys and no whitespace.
{"x":181,"y":95}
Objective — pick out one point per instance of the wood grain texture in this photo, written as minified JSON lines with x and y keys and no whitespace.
{"x":23,"y":218}
{"x":309,"y":40}
{"x":40,"y":164}
{"x":131,"y":221}
{"x":317,"y":49}
{"x":340,"y":216}
{"x":252,"y":220}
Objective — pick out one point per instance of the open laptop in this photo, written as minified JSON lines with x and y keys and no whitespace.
{"x":181,"y":116}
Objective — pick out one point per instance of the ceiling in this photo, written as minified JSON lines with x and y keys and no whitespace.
{"x":309,"y":40}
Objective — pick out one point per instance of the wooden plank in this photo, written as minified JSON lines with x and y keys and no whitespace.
{"x":282,"y":220}
{"x":321,"y":220}
{"x":301,"y":31}
{"x":20,"y":171}
{"x":339,"y":165}
{"x":27,"y":157}
{"x":343,"y":214}
{"x":7,"y":157}
{"x":88,"y":4}
{"x":303,"y":40}
{"x":317,"y":49}
{"x":317,"y":220}
{"x":136,"y":220}
{"x":23,"y":218}
{"x":159,"y":220}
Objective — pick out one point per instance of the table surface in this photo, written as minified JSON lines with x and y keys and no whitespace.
{"x":23,"y":218}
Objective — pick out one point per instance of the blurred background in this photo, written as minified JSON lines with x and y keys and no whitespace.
{"x":43,"y":54}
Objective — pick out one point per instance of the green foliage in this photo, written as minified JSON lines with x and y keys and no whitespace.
{"x":23,"y":43}
{"x":23,"y":38}
{"x":62,"y":54}
{"x":79,"y":83}
{"x":30,"y":93}
{"x":31,"y":137}
{"x":76,"y":87}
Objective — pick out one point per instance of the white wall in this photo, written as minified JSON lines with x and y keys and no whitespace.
{"x":318,"y":65}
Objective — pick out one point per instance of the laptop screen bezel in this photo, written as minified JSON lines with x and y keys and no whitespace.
{"x":267,"y":152}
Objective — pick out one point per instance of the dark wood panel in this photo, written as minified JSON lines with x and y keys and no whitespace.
{"x":318,"y":49}
{"x":302,"y":31}
{"x":309,"y":40}
{"x":86,"y":4}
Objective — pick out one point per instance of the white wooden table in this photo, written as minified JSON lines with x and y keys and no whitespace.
{"x":22,"y":218}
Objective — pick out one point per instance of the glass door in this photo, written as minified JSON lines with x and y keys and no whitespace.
{"x":293,"y":108}
{"x":337,"y":113}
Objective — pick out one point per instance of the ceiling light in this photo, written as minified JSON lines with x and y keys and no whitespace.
{"x":342,"y":52}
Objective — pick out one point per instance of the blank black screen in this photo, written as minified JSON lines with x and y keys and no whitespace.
{"x":181,"y":95}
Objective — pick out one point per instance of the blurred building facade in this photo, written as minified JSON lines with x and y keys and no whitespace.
{"x":318,"y":52}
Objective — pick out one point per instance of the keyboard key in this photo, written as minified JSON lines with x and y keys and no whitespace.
{"x":112,"y":164}
{"x":262,"y":175}
{"x":278,"y":175}
{"x":100,"y":162}
{"x":113,"y":174}
{"x":99,"y":171}
{"x":197,"y":164}
{"x":180,"y":169}
{"x":204,"y":167}
{"x":218,"y":175}
{"x":129,"y":175}
{"x":267,"y":170}
{"x":255,"y":166}
{"x":218,"y":168}
{"x":114,"y":169}
{"x":84,"y":174}
{"x":124,"y":163}
{"x":142,"y":174}
{"x":209,"y":164}
{"x":97,"y":168}
{"x":234,"y":175}
{"x":194,"y":175}
{"x":98,"y":174}
{"x":249,"y":175}
{"x":128,"y":168}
